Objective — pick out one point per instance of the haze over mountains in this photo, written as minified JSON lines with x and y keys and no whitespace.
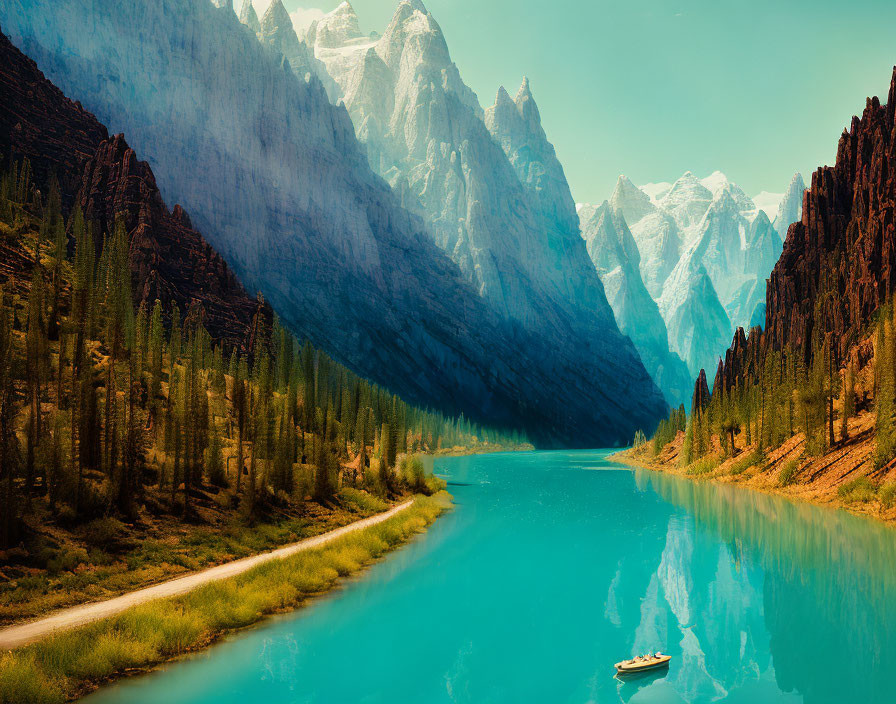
{"x":515,"y":330}
{"x":412,"y":111}
{"x":429,"y":244}
{"x":706,"y":250}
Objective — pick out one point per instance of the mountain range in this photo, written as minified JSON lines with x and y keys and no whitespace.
{"x":704,"y":252}
{"x":488,"y":182}
{"x":460,"y":283}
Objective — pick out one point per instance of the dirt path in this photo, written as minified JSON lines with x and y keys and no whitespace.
{"x":25,"y":633}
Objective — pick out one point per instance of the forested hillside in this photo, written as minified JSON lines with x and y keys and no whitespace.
{"x":155,"y":417}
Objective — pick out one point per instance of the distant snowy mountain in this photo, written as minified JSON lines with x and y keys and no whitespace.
{"x":721,"y":247}
{"x":616,"y":258}
{"x":511,"y":230}
{"x":655,"y":231}
{"x":699,"y":328}
{"x":488,"y":183}
{"x":791,"y":207}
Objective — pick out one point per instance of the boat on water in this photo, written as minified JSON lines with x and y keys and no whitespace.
{"x":643,"y":663}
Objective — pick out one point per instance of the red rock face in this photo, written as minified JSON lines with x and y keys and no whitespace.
{"x":700,"y":399}
{"x":170,"y":261}
{"x":847,"y":229}
{"x":38,"y":122}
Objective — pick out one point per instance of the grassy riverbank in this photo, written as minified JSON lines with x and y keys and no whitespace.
{"x":64,"y":566}
{"x":68,"y":665}
{"x":842,"y":477}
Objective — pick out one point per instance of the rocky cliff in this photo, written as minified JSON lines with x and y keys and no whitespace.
{"x":169,"y":259}
{"x":615,"y":255}
{"x":274,"y":177}
{"x":847,"y":236}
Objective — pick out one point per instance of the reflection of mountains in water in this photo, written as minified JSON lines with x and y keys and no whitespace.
{"x":630,"y":685}
{"x":827,"y":582}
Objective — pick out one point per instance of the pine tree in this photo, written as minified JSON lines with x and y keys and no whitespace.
{"x":174,"y":341}
{"x":55,"y":226}
{"x":215,"y":459}
{"x":849,"y":401}
{"x":884,"y":398}
{"x":36,"y":355}
{"x":386,"y":453}
{"x":10,"y":458}
{"x":155,"y":351}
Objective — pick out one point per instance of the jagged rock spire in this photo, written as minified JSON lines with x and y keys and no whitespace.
{"x":502,"y":97}
{"x":720,"y":378}
{"x":276,"y":18}
{"x":525,"y":103}
{"x":249,"y":17}
{"x":700,"y":399}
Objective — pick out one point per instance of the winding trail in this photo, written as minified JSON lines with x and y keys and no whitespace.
{"x":25,"y":633}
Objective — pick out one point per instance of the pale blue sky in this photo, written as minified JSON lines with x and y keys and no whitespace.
{"x":652,"y":88}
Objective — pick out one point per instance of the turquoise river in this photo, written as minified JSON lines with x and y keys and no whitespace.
{"x":553,"y":566}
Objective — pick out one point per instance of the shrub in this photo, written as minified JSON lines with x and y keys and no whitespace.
{"x":102,"y":531}
{"x":787,"y":476}
{"x":859,"y":490}
{"x":67,"y":560}
{"x":704,"y":465}
{"x":887,"y":495}
{"x":362,"y":500}
{"x":410,"y":469}
{"x":744,"y":462}
{"x":22,"y":680}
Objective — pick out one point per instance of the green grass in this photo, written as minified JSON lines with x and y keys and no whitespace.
{"x":364,"y":501}
{"x":704,"y":465}
{"x":744,"y":462}
{"x":887,"y":495}
{"x":73,"y":574}
{"x":68,"y":664}
{"x":787,"y":475}
{"x":860,"y":490}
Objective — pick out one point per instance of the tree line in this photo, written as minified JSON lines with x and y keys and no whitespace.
{"x":807,"y":389}
{"x":102,"y":400}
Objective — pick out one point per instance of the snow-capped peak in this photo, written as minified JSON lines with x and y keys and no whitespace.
{"x":411,"y":22}
{"x":630,"y":200}
{"x":525,"y":92}
{"x":715,"y":182}
{"x":337,"y":27}
{"x":416,"y":4}
{"x":687,"y":201}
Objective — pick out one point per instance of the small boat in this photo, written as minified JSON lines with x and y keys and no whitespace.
{"x":643,"y":663}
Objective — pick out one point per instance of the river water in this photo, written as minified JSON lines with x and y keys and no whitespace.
{"x":555,"y":565}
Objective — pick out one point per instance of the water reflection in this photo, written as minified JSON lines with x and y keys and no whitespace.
{"x":814,"y":589}
{"x":556,"y":565}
